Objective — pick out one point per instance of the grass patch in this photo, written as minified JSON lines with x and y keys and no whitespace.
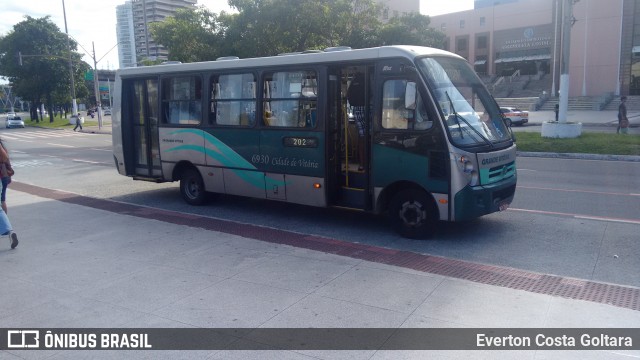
{"x":58,"y":123}
{"x":587,"y":143}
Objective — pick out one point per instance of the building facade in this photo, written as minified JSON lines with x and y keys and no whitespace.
{"x":525,"y":36}
{"x":133,"y":19}
{"x":125,"y":35}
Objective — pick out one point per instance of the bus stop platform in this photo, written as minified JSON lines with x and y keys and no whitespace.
{"x":93,"y":263}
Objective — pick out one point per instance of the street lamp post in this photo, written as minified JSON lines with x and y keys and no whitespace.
{"x":73,"y":85}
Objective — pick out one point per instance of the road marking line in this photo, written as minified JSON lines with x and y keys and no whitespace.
{"x":573,"y":190}
{"x":578,"y":216}
{"x":90,"y":162}
{"x":67,"y":146}
{"x":109,"y":150}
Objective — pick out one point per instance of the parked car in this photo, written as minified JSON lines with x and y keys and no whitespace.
{"x":11,"y":114}
{"x":14,"y":121}
{"x":514,"y":116}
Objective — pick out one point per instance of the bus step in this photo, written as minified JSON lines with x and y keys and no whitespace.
{"x":351,"y":198}
{"x":150,"y":179}
{"x":356,"y":179}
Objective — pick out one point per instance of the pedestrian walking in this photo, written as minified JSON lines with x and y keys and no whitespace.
{"x":623,"y":121}
{"x":557,"y":110}
{"x":7,"y":230}
{"x":78,"y":122}
{"x":6,"y":172}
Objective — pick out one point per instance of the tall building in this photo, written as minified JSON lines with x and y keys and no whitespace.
{"x":133,"y":19}
{"x":125,"y":35}
{"x":505,"y":37}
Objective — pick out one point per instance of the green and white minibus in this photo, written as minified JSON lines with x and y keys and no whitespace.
{"x":429,"y":144}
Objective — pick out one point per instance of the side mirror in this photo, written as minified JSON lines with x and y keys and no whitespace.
{"x":410,"y":96}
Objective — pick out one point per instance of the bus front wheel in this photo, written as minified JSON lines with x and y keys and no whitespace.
{"x":411,"y":214}
{"x":192,"y":187}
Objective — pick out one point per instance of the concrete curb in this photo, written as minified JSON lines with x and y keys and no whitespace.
{"x":632,"y":158}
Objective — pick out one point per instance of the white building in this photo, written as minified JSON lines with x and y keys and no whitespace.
{"x":133,"y":19}
{"x":125,"y":35}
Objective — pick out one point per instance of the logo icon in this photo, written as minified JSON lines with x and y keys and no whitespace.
{"x":20,"y":339}
{"x":528,"y":33}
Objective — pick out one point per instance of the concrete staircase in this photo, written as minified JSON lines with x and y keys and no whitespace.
{"x":633,"y":103}
{"x":524,"y":103}
{"x":575,"y":103}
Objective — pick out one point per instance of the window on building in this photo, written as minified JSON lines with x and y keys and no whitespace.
{"x":290,"y":99}
{"x":182,"y":100}
{"x":461,"y":24}
{"x":233,"y":100}
{"x":462,"y":44}
{"x":481,"y":42}
{"x":483,"y":21}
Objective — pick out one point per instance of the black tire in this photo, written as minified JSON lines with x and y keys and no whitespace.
{"x":412,"y":214}
{"x":192,"y":187}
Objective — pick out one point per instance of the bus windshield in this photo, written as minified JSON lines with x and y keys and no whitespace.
{"x":471,"y":115}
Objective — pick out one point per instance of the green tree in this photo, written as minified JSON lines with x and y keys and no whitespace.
{"x":191,"y":35}
{"x":35,"y":59}
{"x":411,"y":29}
{"x":270,"y":27}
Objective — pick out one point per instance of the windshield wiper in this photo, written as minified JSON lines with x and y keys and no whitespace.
{"x":466,"y":122}
{"x":455,"y":114}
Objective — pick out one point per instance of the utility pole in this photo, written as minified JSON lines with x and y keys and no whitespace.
{"x":95,"y":85}
{"x":567,"y":22}
{"x":562,"y":128}
{"x":73,"y":84}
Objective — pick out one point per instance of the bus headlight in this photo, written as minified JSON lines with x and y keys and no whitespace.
{"x":467,"y":166}
{"x":475,"y":180}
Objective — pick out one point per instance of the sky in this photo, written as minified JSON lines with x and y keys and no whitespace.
{"x":92,"y":22}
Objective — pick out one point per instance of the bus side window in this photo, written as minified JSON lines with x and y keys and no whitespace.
{"x":290,"y":99}
{"x":233,"y":100}
{"x":396,"y":114}
{"x":182,"y":100}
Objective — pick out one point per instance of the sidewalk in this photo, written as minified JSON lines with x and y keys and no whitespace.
{"x":91,"y":263}
{"x":104,"y":129}
{"x":590,"y":118}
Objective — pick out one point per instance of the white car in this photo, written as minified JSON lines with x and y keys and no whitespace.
{"x":514,"y":116}
{"x":14,"y":121}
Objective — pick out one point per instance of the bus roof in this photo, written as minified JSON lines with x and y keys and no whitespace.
{"x":338,"y":54}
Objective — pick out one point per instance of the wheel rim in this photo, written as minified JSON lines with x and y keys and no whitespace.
{"x":413,"y":214}
{"x":193,"y":189}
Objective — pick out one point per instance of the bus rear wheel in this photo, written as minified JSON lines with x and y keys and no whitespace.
{"x":411,"y":214}
{"x":192,"y":187}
